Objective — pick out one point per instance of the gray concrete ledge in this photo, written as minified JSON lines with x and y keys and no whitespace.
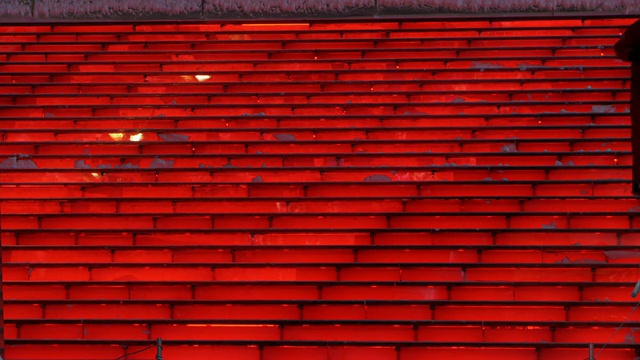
{"x":16,"y":10}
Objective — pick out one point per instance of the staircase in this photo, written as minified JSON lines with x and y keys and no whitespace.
{"x":391,"y":189}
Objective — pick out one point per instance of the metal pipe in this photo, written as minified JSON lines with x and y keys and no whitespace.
{"x":636,"y":290}
{"x":159,"y":349}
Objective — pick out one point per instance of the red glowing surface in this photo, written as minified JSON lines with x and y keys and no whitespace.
{"x":384,"y":189}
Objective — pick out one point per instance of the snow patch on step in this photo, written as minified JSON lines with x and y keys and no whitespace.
{"x":566,"y":260}
{"x":552,"y":225}
{"x":158,"y":163}
{"x":603,"y":109}
{"x":19,"y":161}
{"x":621,"y":254}
{"x":483,"y":65}
{"x":509,"y":148}
{"x":285,"y":137}
{"x":377,"y":178}
{"x":173,"y":137}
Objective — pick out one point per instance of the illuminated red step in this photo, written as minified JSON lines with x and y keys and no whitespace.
{"x":526,"y":272}
{"x":337,"y":98}
{"x":334,"y":255}
{"x":344,"y":332}
{"x":315,"y":189}
{"x":302,"y":205}
{"x":294,"y":220}
{"x":382,"y":289}
{"x":532,"y":84}
{"x":464,"y":148}
{"x":450,"y":311}
{"x":122,"y":157}
{"x":294,"y":237}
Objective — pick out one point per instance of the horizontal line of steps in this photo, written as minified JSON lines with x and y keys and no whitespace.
{"x":228,"y":255}
{"x":198,"y":311}
{"x":257,"y":322}
{"x":404,"y":261}
{"x":606,"y":101}
{"x":293,"y":306}
{"x":298,"y":349}
{"x":600,"y":293}
{"x":192,"y":76}
{"x":420,"y":133}
{"x":372,"y":205}
{"x":43,"y":188}
{"x":319,"y":46}
{"x":280,"y":25}
{"x":364,"y":37}
{"x":513,"y":179}
{"x":168,"y":52}
{"x":336,"y":69}
{"x":185,"y":60}
{"x":388,"y":334}
{"x":280,"y":30}
{"x":275,"y":107}
{"x":24,"y":291}
{"x":120,"y":93}
{"x":129,"y":126}
{"x":124,"y":62}
{"x":373,"y":85}
{"x":72,"y":150}
{"x":323,"y":253}
{"x":286,"y":348}
{"x":19,"y":148}
{"x":321,"y":237}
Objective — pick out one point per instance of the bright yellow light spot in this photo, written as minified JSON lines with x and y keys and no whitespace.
{"x":95,"y":175}
{"x":203,"y":77}
{"x":136,"y":137}
{"x":116,"y":136}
